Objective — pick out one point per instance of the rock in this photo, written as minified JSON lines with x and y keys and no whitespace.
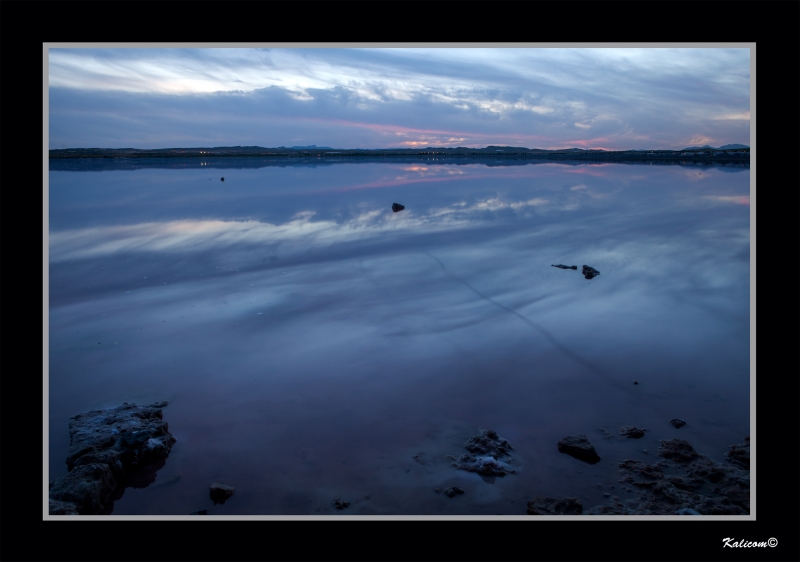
{"x":684,"y":478}
{"x":676,"y":423}
{"x":560,"y":266}
{"x":631,"y":432}
{"x":589,"y":272}
{"x":88,"y":487}
{"x":578,"y":446}
{"x":201,"y":512}
{"x":487,"y":442}
{"x":677,"y":450}
{"x":221,"y":179}
{"x":220,"y":492}
{"x":490,"y":455}
{"x":397,"y":207}
{"x":62,"y":508}
{"x":635,"y":382}
{"x":106,"y":447}
{"x":740,"y":454}
{"x":545,"y":505}
{"x":451,"y":492}
{"x":340,"y":504}
{"x":687,"y":511}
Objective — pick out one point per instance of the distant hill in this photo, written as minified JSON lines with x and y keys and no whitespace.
{"x":312,"y":146}
{"x":725,"y":147}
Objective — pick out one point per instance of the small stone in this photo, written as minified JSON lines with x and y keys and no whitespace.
{"x":676,"y":423}
{"x":631,"y":432}
{"x":220,"y":492}
{"x":578,"y":446}
{"x":340,"y":504}
{"x":221,"y":179}
{"x":561,"y":266}
{"x":589,"y":272}
{"x":397,"y":207}
{"x":437,"y":490}
{"x":201,"y":512}
{"x":606,"y":495}
{"x":451,"y":492}
{"x":635,"y":382}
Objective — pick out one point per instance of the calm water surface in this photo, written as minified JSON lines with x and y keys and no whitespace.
{"x":311,"y":342}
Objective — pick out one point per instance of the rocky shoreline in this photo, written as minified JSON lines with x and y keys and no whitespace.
{"x":685,"y":482}
{"x":106,"y":448}
{"x":111,"y":448}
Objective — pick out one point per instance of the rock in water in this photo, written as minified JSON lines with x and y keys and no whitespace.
{"x":221,"y":179}
{"x":677,"y":424}
{"x":490,"y":455}
{"x":740,"y":454}
{"x":452,"y":492}
{"x":106,"y":446}
{"x":397,"y":207}
{"x":220,"y":492}
{"x":340,"y":504}
{"x":578,"y":446}
{"x":560,"y":266}
{"x":589,"y":272}
{"x":87,"y":488}
{"x":683,"y":478}
{"x":545,"y":505}
{"x":631,"y":432}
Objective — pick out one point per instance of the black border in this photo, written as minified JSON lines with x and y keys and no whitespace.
{"x":772,"y":25}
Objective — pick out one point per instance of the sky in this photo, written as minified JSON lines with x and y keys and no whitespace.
{"x":550,"y":98}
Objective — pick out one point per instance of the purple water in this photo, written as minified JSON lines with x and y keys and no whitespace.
{"x":311,"y":342}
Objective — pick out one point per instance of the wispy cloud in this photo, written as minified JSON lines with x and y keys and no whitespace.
{"x":546,"y":98}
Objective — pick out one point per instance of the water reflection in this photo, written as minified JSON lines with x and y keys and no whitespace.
{"x":309,"y":338}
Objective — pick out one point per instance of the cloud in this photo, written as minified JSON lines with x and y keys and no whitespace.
{"x":629,"y":98}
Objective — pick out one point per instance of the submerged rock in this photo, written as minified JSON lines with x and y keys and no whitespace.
{"x":397,"y":207}
{"x":452,"y":492}
{"x":545,"y":505}
{"x":201,"y":512}
{"x":106,"y":447}
{"x":221,"y":179}
{"x":631,"y":432}
{"x":740,"y":454}
{"x":677,"y":424}
{"x":490,"y":455}
{"x":340,"y":504}
{"x":220,"y":492}
{"x":687,"y":511}
{"x":589,"y":272}
{"x":685,"y":483}
{"x":578,"y":446}
{"x":560,"y":266}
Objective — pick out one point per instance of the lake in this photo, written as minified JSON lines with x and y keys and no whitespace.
{"x":315,"y":345}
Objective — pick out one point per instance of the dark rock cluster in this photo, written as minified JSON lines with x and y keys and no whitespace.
{"x":685,"y":482}
{"x":489,"y":455}
{"x":106,"y":446}
{"x":676,"y":423}
{"x":561,"y":266}
{"x":397,"y":207}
